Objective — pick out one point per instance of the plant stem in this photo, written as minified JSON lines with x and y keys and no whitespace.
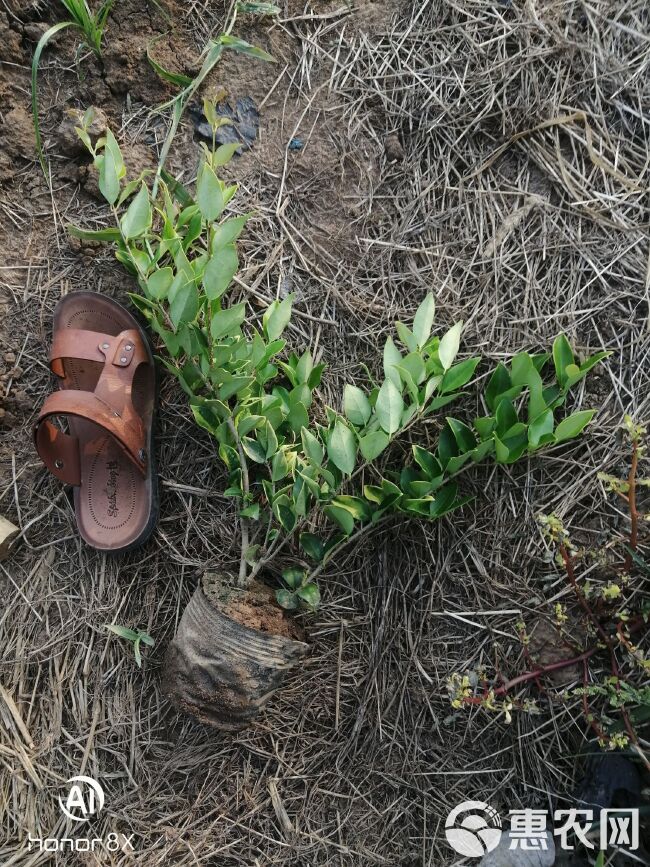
{"x":242,"y":580}
{"x":631,"y":500}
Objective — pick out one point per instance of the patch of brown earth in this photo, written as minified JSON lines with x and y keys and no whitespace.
{"x":254,"y":607}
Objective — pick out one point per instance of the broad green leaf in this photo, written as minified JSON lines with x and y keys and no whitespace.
{"x":449,"y":345}
{"x":225,"y":152}
{"x":463,"y":435}
{"x":406,"y":336}
{"x":159,"y":282}
{"x":484,"y":426}
{"x":573,"y":425}
{"x":415,"y":365}
{"x":373,"y":444}
{"x":279,"y":466}
{"x":357,"y":507}
{"x":252,"y":512}
{"x":254,"y":450}
{"x":499,"y":383}
{"x":226,"y":321}
{"x":423,"y":321}
{"x":221,"y":268}
{"x":123,"y":631}
{"x":310,"y":595}
{"x":506,"y":417}
{"x":458,"y":375}
{"x":389,"y":407}
{"x":392,"y":357}
{"x":542,"y":425}
{"x":105,"y":235}
{"x":312,"y":545}
{"x":293,"y":577}
{"x":443,"y":500}
{"x":209,"y":196}
{"x":276,"y":317}
{"x":286,"y":599}
{"x":111,"y":168}
{"x":340,"y":516}
{"x":243,"y":47}
{"x":227,"y":232}
{"x":562,"y":357}
{"x":356,"y":405}
{"x":137,"y":219}
{"x":342,"y":447}
{"x":427,"y":462}
{"x":185,"y":305}
{"x":312,"y":447}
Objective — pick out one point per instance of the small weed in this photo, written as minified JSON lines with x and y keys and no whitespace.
{"x":91,"y":26}
{"x":136,"y":636}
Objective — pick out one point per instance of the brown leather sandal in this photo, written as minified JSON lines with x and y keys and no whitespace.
{"x":107,"y":382}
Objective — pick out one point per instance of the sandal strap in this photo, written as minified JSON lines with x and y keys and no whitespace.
{"x":60,"y":451}
{"x":82,"y":345}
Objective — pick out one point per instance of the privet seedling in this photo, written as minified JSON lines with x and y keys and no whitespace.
{"x":293,"y":467}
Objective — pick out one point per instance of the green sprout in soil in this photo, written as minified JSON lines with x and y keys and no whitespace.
{"x":135,"y":636}
{"x":612,"y":611}
{"x":91,"y":25}
{"x":294,"y":467}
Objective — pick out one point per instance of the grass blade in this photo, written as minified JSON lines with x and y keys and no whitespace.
{"x":42,"y":42}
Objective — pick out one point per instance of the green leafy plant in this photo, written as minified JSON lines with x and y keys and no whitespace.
{"x":294,"y":467}
{"x":135,"y":636}
{"x":611,"y":607}
{"x":91,"y":25}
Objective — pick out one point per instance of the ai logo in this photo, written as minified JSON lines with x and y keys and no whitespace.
{"x":85,"y":798}
{"x":477,"y":832}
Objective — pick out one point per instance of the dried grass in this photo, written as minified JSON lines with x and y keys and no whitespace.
{"x":522,"y":202}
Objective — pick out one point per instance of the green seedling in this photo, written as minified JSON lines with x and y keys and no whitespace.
{"x":294,"y":466}
{"x":136,"y":636}
{"x":91,"y":25}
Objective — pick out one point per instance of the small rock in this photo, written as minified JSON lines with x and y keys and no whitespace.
{"x":393,"y":148}
{"x":10,"y":357}
{"x":504,"y":856}
{"x":69,"y":141}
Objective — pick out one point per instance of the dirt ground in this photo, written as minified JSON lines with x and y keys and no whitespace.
{"x":492,"y":151}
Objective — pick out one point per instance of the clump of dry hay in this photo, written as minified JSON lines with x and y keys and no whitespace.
{"x":521,"y":199}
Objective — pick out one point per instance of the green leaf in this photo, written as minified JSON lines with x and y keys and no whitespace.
{"x":392,"y":358}
{"x":356,"y":405}
{"x":340,"y":516}
{"x":312,"y":546}
{"x":406,"y":336}
{"x":276,"y":317}
{"x":541,"y":426}
{"x":279,"y":466}
{"x":449,"y":345}
{"x":458,"y":375}
{"x":225,"y":152}
{"x":293,"y":577}
{"x":110,"y":165}
{"x":389,"y":407}
{"x":499,"y":383}
{"x":573,"y":425}
{"x":185,"y":305}
{"x":209,"y":196}
{"x":176,"y":78}
{"x":227,"y":321}
{"x":221,"y":268}
{"x":122,"y":631}
{"x":427,"y":462}
{"x":423,"y":321}
{"x":108,"y":235}
{"x":310,"y":595}
{"x":159,"y":282}
{"x":286,"y":599}
{"x":312,"y":447}
{"x":506,"y":417}
{"x":562,"y":357}
{"x":244,"y":47}
{"x":137,"y":219}
{"x":373,"y":444}
{"x":271,"y":440}
{"x":227,"y":232}
{"x":254,"y":450}
{"x":342,"y":447}
{"x":462,"y":434}
{"x":357,"y":507}
{"x":252,"y":511}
